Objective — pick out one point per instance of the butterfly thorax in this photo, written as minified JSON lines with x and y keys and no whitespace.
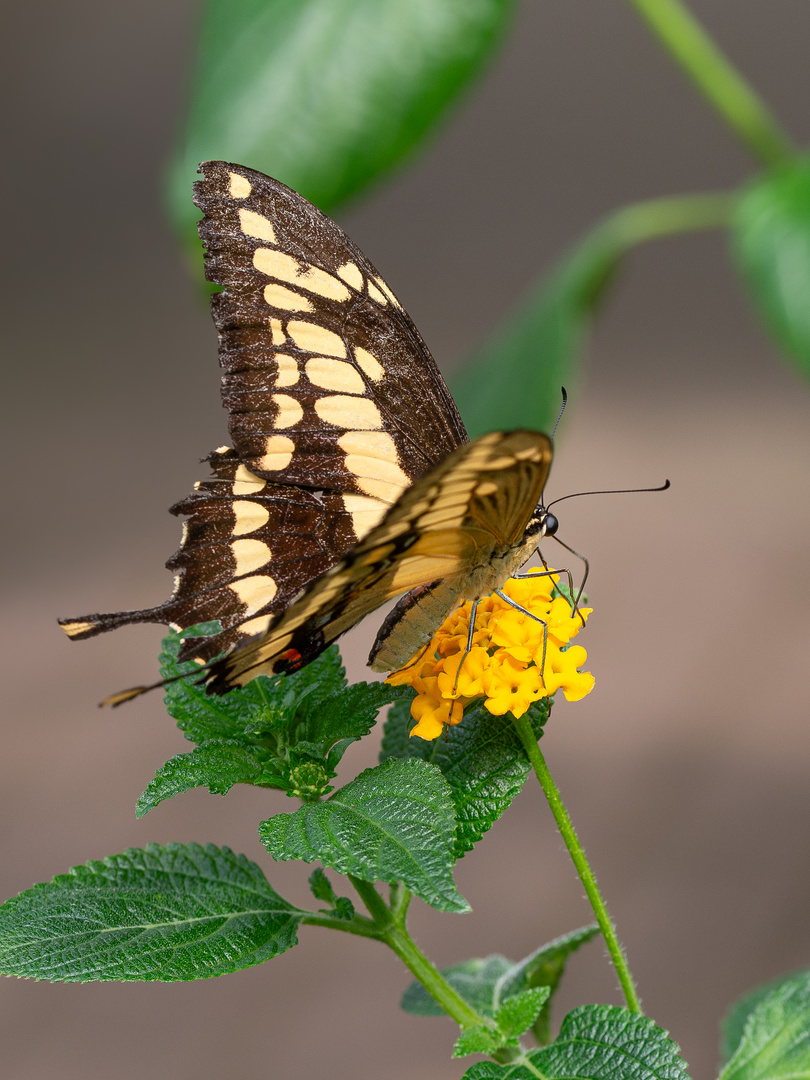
{"x":419,"y":613}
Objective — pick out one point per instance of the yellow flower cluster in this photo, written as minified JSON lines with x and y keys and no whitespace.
{"x":503,"y":665}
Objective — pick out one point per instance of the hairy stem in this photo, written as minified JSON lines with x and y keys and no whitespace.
{"x":577,"y":853}
{"x":717,"y":79}
{"x":390,"y":928}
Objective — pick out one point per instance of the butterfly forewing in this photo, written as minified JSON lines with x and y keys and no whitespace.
{"x":327,"y":381}
{"x":461,"y":524}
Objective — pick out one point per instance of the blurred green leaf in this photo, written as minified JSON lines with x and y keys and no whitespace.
{"x":771,"y":245}
{"x":393,"y":823}
{"x":325,"y":95}
{"x":768,"y":1032}
{"x":486,"y":984}
{"x":514,"y":379}
{"x":596,"y":1042}
{"x":169,"y":913}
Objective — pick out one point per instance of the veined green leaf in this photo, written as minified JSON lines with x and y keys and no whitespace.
{"x":519,"y":1013}
{"x":596,"y":1042}
{"x":482,"y":759}
{"x":326,"y":95}
{"x":768,"y":1032}
{"x":217,"y":765}
{"x":170,"y":913}
{"x":771,"y":245}
{"x":393,"y":823}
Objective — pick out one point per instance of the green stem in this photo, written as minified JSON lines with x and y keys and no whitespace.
{"x":359,"y":925}
{"x":718,"y":80}
{"x":393,"y":932}
{"x":651,"y":219}
{"x":577,"y":853}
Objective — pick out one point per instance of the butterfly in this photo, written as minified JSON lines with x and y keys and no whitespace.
{"x":350,"y":479}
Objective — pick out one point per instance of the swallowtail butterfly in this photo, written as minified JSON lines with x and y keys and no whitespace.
{"x":350,"y":479}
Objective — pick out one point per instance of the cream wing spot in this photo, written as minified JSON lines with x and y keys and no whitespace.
{"x":248,"y":516}
{"x":239,"y":186}
{"x":78,"y":627}
{"x":255,"y":626}
{"x":388,"y":293}
{"x":288,"y":373}
{"x":255,"y":592}
{"x":247,"y":483}
{"x":334,"y":375}
{"x":352,"y":275}
{"x":372,"y":457}
{"x":280,"y":265}
{"x":309,"y":337}
{"x":369,"y":364}
{"x":349,"y":412}
{"x":289,"y":411}
{"x":249,"y":555}
{"x":278,"y":452}
{"x":375,"y":293}
{"x":365,"y":513}
{"x":281,"y":297}
{"x":486,"y":487}
{"x":257,"y":226}
{"x":277,"y":335}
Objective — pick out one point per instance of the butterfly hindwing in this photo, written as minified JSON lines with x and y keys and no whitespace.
{"x":457,"y":525}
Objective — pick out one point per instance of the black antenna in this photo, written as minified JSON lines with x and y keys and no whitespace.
{"x":562,"y":410}
{"x":614,"y":491}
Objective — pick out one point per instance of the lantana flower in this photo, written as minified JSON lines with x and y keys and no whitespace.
{"x":503,"y":665}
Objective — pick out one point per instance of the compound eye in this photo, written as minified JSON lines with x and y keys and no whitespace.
{"x":551,"y":525}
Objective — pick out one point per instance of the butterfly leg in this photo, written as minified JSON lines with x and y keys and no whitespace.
{"x":468,"y":646}
{"x":573,"y":600}
{"x":531,"y":614}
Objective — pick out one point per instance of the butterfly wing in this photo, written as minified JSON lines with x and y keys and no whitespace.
{"x":458,"y":526}
{"x":335,"y":407}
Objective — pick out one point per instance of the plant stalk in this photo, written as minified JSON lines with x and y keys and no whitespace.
{"x":577,"y":853}
{"x":717,"y":79}
{"x":391,"y":930}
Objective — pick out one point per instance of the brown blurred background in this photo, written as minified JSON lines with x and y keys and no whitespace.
{"x":685,"y":771}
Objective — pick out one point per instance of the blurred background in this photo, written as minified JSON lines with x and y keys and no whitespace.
{"x":685,"y":771}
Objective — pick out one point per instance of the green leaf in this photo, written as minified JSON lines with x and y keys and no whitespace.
{"x":217,"y":765}
{"x":771,"y":245}
{"x":288,"y":732}
{"x":538,"y":347}
{"x":326,"y":95}
{"x":477,"y":1040}
{"x":482,"y":759}
{"x":519,"y":1013}
{"x":771,"y":1028}
{"x":487,"y":983}
{"x":393,"y":823}
{"x":170,"y":913}
{"x":596,"y":1042}
{"x":321,"y":887}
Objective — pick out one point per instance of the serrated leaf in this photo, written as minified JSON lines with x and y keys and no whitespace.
{"x":170,"y":913}
{"x":596,"y":1042}
{"x":538,"y":347}
{"x":217,"y":765}
{"x":321,"y":887}
{"x":326,"y":95}
{"x":393,"y":823}
{"x":477,"y":1040}
{"x":201,"y":716}
{"x":474,"y":980}
{"x":519,"y":1013}
{"x":774,"y":1027}
{"x":771,"y":245}
{"x":482,"y":759}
